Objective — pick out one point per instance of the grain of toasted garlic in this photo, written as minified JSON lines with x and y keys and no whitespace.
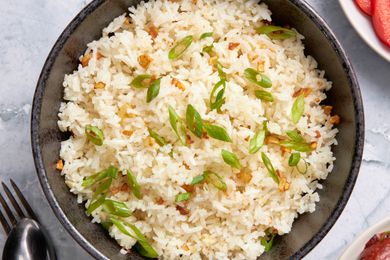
{"x":99,"y":85}
{"x":284,"y":184}
{"x":260,"y":66}
{"x":335,"y":120}
{"x":178,"y":84}
{"x":144,"y":60}
{"x":327,"y":109}
{"x":85,"y":59}
{"x":60,"y":165}
{"x":244,"y":175}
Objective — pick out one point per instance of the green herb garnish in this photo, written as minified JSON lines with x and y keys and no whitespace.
{"x":297,"y":109}
{"x":182,"y":196}
{"x":257,"y":78}
{"x":256,"y":142}
{"x":208,"y":48}
{"x":296,"y":142}
{"x":116,"y":208}
{"x":141,"y":81}
{"x":94,"y":135}
{"x":267,"y":243}
{"x":159,"y":139}
{"x":215,"y":180}
{"x":177,"y":125}
{"x":221,"y":73}
{"x":206,"y":34}
{"x":276,"y":32}
{"x":110,"y":172}
{"x":95,"y":204}
{"x":217,"y":132}
{"x":133,"y":183}
{"x":180,"y":48}
{"x":142,"y":246}
{"x":270,"y":168}
{"x":231,"y":159}
{"x":198,"y":179}
{"x":264,"y":95}
{"x":217,"y":101}
{"x":299,"y":169}
{"x":153,"y":90}
{"x":294,"y":159}
{"x":194,"y":121}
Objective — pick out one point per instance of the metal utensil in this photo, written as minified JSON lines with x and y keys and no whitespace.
{"x":27,"y":239}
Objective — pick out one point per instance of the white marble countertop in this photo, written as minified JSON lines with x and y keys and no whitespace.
{"x":30,"y":28}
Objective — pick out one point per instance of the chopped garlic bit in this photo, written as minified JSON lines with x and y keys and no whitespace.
{"x":144,"y":60}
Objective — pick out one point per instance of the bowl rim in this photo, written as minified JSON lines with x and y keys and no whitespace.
{"x":336,"y":46}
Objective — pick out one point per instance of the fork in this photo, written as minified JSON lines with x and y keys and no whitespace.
{"x":27,"y":239}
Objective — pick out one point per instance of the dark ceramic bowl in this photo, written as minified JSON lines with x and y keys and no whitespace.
{"x":308,"y":230}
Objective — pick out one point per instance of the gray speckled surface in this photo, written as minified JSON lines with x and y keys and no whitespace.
{"x":30,"y":28}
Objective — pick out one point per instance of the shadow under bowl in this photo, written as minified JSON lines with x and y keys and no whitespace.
{"x":345,"y":97}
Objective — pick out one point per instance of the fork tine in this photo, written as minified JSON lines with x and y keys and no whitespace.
{"x":13,"y":201}
{"x":4,"y":223}
{"x":23,"y":200}
{"x":7,"y":210}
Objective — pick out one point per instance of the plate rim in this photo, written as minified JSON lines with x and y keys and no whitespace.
{"x":359,"y":242}
{"x":380,"y":49}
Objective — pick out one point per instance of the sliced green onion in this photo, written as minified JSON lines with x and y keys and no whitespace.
{"x":206,"y":34}
{"x":194,"y":121}
{"x":141,"y":81}
{"x":182,"y":196}
{"x":299,"y":169}
{"x":208,"y":48}
{"x":221,"y":73}
{"x":116,"y":208}
{"x":198,"y":179}
{"x":264,"y":95}
{"x":294,"y":159}
{"x":215,"y":180}
{"x":276,"y":32}
{"x":296,"y":142}
{"x":180,"y":48}
{"x":256,"y":142}
{"x":102,"y":188}
{"x":159,"y":139}
{"x":111,"y":172}
{"x":94,"y":134}
{"x":217,"y":101}
{"x":153,"y":90}
{"x":295,"y":136}
{"x":231,"y":159}
{"x":297,"y":109}
{"x":217,"y":132}
{"x":267,"y":243}
{"x":270,"y":168}
{"x":299,"y":147}
{"x":177,"y":125}
{"x":106,"y":224}
{"x":257,"y":78}
{"x":120,"y":225}
{"x":265,"y":127}
{"x":90,"y":180}
{"x":94,"y":205}
{"x":133,"y":183}
{"x":143,"y":247}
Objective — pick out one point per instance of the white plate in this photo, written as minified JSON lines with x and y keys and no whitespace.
{"x":362,"y":24}
{"x":354,"y":250}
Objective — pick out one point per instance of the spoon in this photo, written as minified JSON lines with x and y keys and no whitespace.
{"x":28,"y":241}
